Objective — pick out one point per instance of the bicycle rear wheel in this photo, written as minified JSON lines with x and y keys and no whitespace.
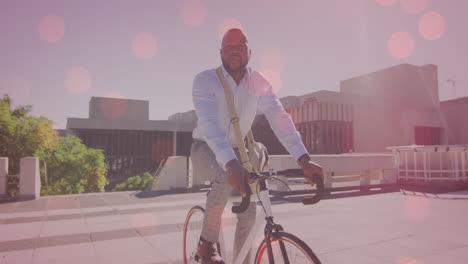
{"x":286,"y":248}
{"x":192,"y":230}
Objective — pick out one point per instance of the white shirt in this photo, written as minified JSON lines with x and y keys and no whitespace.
{"x":253,"y":93}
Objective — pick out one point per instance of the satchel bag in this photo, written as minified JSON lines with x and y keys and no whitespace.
{"x":257,"y":157}
{"x":258,"y":154}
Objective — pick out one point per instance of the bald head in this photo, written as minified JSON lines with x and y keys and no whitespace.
{"x":235,"y":52}
{"x":234,"y":34}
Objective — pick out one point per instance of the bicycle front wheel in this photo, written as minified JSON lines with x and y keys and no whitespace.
{"x":192,"y":231}
{"x":286,"y":248}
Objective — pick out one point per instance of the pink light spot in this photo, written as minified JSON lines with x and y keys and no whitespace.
{"x":260,"y":84}
{"x":431,"y":25}
{"x":78,"y":80}
{"x":401,"y":45}
{"x":143,"y":219}
{"x":114,"y":109}
{"x":58,"y":125}
{"x":51,"y":28}
{"x":283,"y":123}
{"x":193,"y":13}
{"x":227,"y":219}
{"x":17,"y":88}
{"x":349,"y":10}
{"x":417,"y":208}
{"x":274,"y":78}
{"x":227,"y":24}
{"x":272,"y":59}
{"x":144,"y":46}
{"x":386,"y":2}
{"x":258,"y":240}
{"x":408,"y":260}
{"x":413,"y":6}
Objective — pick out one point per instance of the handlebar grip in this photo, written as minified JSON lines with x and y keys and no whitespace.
{"x":320,"y":190}
{"x":244,"y":203}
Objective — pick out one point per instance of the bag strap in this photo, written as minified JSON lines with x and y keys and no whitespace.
{"x":250,"y":138}
{"x":235,"y":121}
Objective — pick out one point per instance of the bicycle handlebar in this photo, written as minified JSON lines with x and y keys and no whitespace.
{"x":244,"y":203}
{"x":262,"y":176}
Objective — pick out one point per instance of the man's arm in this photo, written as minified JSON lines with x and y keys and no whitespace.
{"x":309,"y":168}
{"x":206,"y":108}
{"x":283,"y":127}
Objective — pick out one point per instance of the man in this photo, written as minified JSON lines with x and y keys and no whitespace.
{"x":214,"y":149}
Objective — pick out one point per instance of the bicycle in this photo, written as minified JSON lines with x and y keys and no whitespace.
{"x":276,"y":242}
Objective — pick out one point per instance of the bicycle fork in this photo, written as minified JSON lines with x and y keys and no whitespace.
{"x":270,"y":229}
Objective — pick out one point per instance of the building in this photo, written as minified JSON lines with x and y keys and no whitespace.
{"x":396,"y":106}
{"x":391,"y":107}
{"x":455,"y":114}
{"x":324,"y":119}
{"x":402,"y":108}
{"x":132,"y":143}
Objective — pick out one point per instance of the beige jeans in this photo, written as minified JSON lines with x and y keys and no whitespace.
{"x":205,"y":164}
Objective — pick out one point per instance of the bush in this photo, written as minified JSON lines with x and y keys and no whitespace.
{"x":74,"y":168}
{"x":136,"y":183}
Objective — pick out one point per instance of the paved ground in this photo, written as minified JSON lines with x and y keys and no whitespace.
{"x":128,"y":227}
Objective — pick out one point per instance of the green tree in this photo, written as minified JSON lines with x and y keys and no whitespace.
{"x":136,"y":183}
{"x":22,"y":135}
{"x":71,"y":166}
{"x":74,"y":168}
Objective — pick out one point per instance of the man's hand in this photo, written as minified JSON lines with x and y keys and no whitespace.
{"x":309,"y":168}
{"x":238,"y":176}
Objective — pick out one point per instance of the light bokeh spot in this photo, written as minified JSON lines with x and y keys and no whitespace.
{"x":386,"y":2}
{"x":417,"y":208}
{"x":408,"y":260}
{"x":274,"y":78}
{"x":350,"y":11}
{"x":51,"y":28}
{"x":144,"y":46}
{"x":258,"y":240}
{"x":272,"y":59}
{"x":143,"y":219}
{"x":78,"y":80}
{"x":431,"y":25}
{"x":413,"y":6}
{"x":114,"y":109}
{"x":59,"y":125}
{"x":227,"y":219}
{"x":193,"y":13}
{"x":17,"y":88}
{"x":227,"y":24}
{"x":401,"y":45}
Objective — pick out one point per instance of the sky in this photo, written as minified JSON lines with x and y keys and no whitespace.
{"x":56,"y":54}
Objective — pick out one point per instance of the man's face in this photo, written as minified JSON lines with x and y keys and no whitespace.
{"x":235,"y":52}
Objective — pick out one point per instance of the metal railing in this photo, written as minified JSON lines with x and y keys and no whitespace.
{"x":432,"y":164}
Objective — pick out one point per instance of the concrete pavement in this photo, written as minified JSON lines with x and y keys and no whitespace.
{"x":129,"y":227}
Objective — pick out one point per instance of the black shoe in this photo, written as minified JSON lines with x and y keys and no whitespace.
{"x":208,"y":252}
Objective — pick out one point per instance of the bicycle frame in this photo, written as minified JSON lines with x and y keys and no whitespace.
{"x":271,"y":229}
{"x":261,"y":217}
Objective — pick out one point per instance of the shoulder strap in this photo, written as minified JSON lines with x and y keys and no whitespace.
{"x":234,"y":121}
{"x":250,"y":138}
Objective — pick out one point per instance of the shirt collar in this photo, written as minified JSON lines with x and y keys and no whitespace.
{"x":228,"y":76}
